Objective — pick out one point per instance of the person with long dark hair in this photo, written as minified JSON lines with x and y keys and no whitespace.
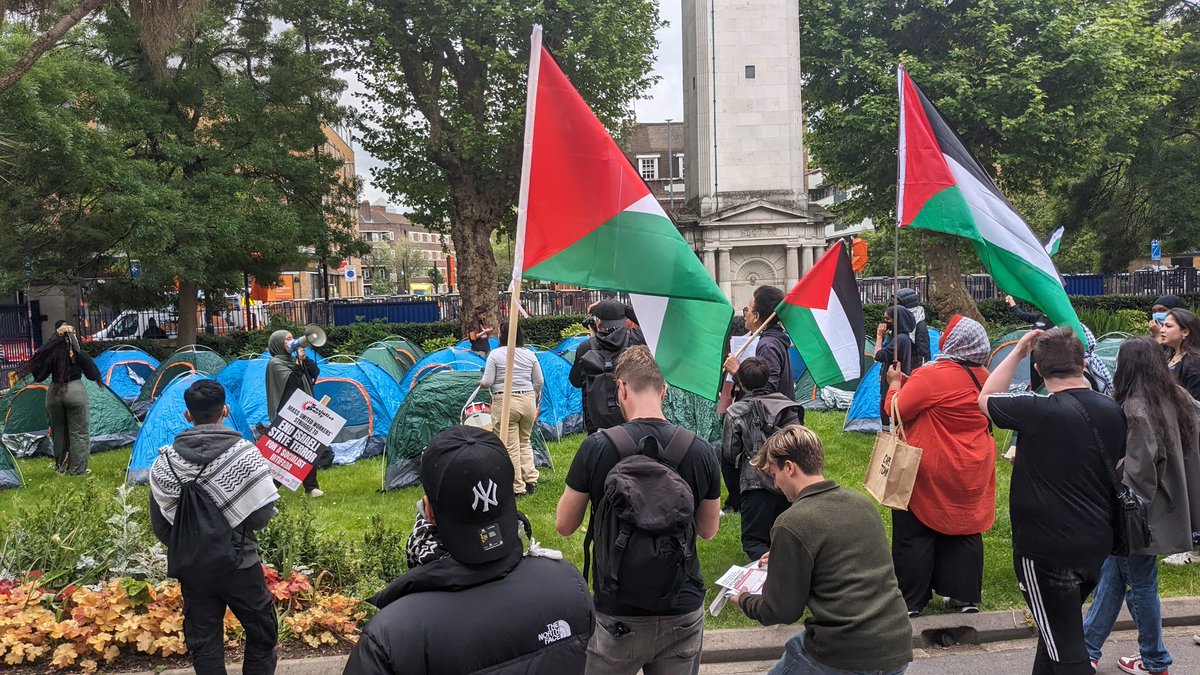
{"x":1161,"y":438}
{"x":64,"y":363}
{"x":1180,"y":336}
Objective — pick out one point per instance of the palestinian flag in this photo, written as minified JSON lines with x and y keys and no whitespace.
{"x":586,"y":218}
{"x":943,"y":188}
{"x":1054,"y":241}
{"x":823,"y":315}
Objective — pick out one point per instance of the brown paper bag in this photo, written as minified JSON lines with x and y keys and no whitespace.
{"x":893,"y":467}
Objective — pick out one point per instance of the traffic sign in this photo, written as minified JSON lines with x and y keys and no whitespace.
{"x":350,"y":273}
{"x":1155,"y":250}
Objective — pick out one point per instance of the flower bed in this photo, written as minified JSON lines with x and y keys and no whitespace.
{"x":86,"y":626}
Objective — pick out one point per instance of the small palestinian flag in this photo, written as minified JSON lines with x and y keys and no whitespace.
{"x":943,"y":188}
{"x":1054,"y":242}
{"x":585,"y":217}
{"x":823,"y":315}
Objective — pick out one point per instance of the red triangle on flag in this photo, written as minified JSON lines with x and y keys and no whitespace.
{"x":923,"y":169}
{"x":813,"y":290}
{"x":578,"y":178}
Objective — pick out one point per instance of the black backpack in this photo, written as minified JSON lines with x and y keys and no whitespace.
{"x":763,"y":426}
{"x":599,"y":387}
{"x":200,"y":546}
{"x":643,"y":527}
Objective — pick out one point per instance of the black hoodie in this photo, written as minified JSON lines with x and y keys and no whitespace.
{"x":612,"y":342}
{"x":898,"y":348}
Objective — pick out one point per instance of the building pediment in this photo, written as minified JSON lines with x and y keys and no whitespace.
{"x":760,"y":211}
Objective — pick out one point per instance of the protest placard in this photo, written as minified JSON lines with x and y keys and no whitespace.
{"x":301,"y":430}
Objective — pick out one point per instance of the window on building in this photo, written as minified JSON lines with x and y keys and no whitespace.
{"x":749,"y":72}
{"x":390,"y":236}
{"x":366,"y":273}
{"x":648,"y":167}
{"x":679,"y":165}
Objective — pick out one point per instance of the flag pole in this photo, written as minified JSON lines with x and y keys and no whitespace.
{"x":514,"y":306}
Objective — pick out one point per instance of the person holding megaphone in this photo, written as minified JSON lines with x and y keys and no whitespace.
{"x":290,"y":370}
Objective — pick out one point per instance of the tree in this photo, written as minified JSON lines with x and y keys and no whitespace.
{"x":435,"y":278}
{"x":200,"y":165}
{"x":408,"y":261}
{"x":446,"y":107}
{"x":382,"y":259}
{"x":1036,"y":88}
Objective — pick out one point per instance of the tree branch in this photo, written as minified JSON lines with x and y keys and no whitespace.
{"x":43,"y":44}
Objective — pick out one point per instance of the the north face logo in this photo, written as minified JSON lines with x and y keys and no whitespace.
{"x":559,"y":630}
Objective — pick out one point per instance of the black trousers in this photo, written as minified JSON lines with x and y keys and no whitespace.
{"x":245,"y":593}
{"x":1055,"y":596}
{"x":926,"y":560}
{"x":730,"y":474}
{"x":759,"y":509}
{"x":324,"y":461}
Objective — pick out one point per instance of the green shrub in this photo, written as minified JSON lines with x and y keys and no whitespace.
{"x":571,"y":331}
{"x":433,"y":344}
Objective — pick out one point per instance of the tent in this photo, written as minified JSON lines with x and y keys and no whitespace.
{"x":1107,"y":346}
{"x":688,"y":410}
{"x":407,"y":349}
{"x":567,"y":347}
{"x":184,"y":360}
{"x":165,"y":421}
{"x":466,"y":344}
{"x":1001,"y":348}
{"x":798,"y":367}
{"x":864,"y":411}
{"x":434,"y":404}
{"x":367,"y":396}
{"x":451,"y":358}
{"x":836,"y":396}
{"x":561,"y":410}
{"x":394,"y":357}
{"x":25,"y":427}
{"x":10,"y":475}
{"x":125,"y":370}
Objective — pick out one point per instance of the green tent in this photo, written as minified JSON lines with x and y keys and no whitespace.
{"x":1107,"y":346}
{"x":434,"y":405}
{"x":25,"y":427}
{"x":184,"y":360}
{"x":690,"y":411}
{"x":10,"y":475}
{"x":394,"y":357}
{"x":409,"y":350}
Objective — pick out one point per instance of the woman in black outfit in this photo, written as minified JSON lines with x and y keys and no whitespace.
{"x":65,"y":363}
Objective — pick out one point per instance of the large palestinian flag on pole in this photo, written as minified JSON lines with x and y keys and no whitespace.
{"x":823,"y":315}
{"x":586,"y":218}
{"x":942,"y":187}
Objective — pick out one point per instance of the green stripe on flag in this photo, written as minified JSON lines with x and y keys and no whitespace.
{"x":804,"y":330}
{"x":633,"y":252}
{"x":692,"y":345}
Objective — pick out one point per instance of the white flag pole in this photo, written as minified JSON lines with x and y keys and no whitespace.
{"x":514,"y":308}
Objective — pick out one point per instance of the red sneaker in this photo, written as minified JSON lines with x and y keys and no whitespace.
{"x":1133,"y":664}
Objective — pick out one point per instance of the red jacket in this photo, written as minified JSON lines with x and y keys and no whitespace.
{"x":955,"y":490}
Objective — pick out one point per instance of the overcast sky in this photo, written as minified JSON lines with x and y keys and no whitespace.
{"x":665,"y":99}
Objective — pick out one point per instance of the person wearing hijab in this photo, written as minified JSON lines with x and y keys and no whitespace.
{"x":64,"y":363}
{"x":287,"y":374}
{"x":937,"y":544}
{"x":899,"y":323}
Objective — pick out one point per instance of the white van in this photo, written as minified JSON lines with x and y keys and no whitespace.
{"x":131,"y":325}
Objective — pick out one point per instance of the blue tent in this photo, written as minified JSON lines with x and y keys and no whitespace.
{"x":165,"y":420}
{"x":466,"y":344}
{"x":367,"y":397}
{"x":567,"y":347}
{"x":864,"y":411}
{"x":125,"y":370}
{"x":312,"y":354}
{"x":797,"y":362}
{"x":562,"y":404}
{"x":451,"y":358}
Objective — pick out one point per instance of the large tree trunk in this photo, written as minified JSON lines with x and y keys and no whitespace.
{"x":472,"y":221}
{"x":187,"y":312}
{"x":947,"y":294}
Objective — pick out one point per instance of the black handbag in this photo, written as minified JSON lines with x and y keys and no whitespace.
{"x":1131,"y":518}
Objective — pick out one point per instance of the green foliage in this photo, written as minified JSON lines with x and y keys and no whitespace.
{"x":572,"y":330}
{"x":433,"y":344}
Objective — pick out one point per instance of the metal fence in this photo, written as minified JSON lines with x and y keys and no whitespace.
{"x":982,"y":287}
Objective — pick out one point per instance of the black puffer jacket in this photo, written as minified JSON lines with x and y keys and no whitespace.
{"x":537,"y":618}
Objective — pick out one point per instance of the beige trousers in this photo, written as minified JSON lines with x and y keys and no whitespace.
{"x":522,"y":415}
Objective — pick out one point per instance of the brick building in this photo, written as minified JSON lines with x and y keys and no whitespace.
{"x":379,"y":223}
{"x":658,"y":159}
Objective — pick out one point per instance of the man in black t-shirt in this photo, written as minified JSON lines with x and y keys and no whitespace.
{"x":627,"y":638}
{"x":1061,"y":500}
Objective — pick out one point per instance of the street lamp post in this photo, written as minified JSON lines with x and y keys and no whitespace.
{"x":670,"y":166}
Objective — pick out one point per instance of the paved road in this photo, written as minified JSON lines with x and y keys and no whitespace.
{"x":1011,"y":657}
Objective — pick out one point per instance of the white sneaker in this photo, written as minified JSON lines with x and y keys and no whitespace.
{"x":316,"y":493}
{"x":1181,"y":559}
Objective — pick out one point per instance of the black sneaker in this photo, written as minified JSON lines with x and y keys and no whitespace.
{"x":964,"y":607}
{"x":530,"y":488}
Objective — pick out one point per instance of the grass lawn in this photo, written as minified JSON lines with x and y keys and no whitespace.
{"x":353,"y":497}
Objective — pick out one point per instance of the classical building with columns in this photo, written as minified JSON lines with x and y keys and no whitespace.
{"x":745,"y":208}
